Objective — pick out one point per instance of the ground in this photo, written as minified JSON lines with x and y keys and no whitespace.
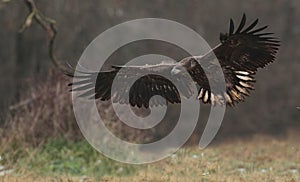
{"x":259,"y":158}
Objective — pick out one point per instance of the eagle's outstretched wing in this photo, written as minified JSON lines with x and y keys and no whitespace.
{"x":240,"y":54}
{"x":150,"y":82}
{"x":247,"y":48}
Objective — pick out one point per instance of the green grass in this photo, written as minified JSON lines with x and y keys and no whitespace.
{"x":61,"y":157}
{"x":261,"y":158}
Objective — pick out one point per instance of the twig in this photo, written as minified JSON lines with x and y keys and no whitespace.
{"x":48,"y":25}
{"x":22,"y":103}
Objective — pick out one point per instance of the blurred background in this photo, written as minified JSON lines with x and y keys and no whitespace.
{"x":25,"y":64}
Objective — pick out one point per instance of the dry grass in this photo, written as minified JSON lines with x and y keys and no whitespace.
{"x":261,"y":158}
{"x":47,"y":112}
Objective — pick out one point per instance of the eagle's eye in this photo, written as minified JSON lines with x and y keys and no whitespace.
{"x":223,"y":37}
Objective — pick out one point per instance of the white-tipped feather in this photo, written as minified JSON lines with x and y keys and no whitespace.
{"x":205,"y":96}
{"x":245,"y":78}
{"x":200,"y":94}
{"x":242,"y":72}
{"x":242,"y":90}
{"x":219,"y":99}
{"x":212,"y":99}
{"x":228,"y":99}
{"x":222,"y":100}
{"x":235,"y":95}
{"x":244,"y":84}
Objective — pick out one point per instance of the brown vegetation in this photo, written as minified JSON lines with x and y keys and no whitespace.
{"x":45,"y":111}
{"x":48,"y":113}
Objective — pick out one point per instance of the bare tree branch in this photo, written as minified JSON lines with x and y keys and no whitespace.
{"x":48,"y":25}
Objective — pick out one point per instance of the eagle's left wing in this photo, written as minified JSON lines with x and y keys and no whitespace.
{"x":240,"y":54}
{"x":247,"y":48}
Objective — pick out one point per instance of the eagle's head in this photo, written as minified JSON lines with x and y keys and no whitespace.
{"x":187,"y":64}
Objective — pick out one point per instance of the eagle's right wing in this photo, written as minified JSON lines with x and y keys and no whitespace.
{"x":98,"y":85}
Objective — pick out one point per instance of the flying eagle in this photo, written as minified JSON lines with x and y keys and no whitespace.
{"x":241,"y":52}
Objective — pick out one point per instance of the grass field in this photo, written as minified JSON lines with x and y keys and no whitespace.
{"x":261,"y":158}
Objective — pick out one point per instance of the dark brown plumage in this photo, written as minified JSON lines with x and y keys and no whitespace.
{"x":240,"y":53}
